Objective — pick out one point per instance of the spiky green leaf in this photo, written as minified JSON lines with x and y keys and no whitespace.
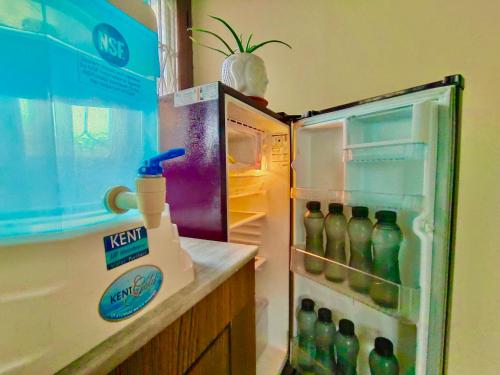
{"x":213,"y":34}
{"x":248,"y":42}
{"x":212,"y":48}
{"x":253,"y":48}
{"x":238,"y":41}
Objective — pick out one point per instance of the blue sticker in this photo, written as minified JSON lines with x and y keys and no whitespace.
{"x":131,"y":292}
{"x":111,"y":45}
{"x":123,"y":247}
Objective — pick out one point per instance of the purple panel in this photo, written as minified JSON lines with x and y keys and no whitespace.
{"x":195,"y":183}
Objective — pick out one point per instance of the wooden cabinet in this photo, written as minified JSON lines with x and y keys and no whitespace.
{"x":215,"y":360}
{"x":216,"y":336}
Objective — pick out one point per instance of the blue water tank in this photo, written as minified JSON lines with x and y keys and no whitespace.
{"x":78,"y":111}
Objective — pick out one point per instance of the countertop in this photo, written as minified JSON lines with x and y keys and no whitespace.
{"x":214,"y":263}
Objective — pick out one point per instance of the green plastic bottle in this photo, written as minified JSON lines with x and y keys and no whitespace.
{"x":313,"y":221}
{"x":335,"y":228}
{"x":306,"y":320}
{"x":324,"y":333}
{"x":382,"y":360}
{"x":347,"y":348}
{"x":386,"y":239}
{"x":360,"y":229}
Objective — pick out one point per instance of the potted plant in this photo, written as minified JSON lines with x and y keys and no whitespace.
{"x":241,"y":69}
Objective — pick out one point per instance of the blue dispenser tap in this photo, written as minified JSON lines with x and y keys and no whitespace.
{"x":149,"y":197}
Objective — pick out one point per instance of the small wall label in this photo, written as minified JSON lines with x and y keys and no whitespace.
{"x":124,"y":247}
{"x":130,"y":293}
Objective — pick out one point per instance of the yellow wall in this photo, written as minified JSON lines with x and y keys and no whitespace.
{"x":351,"y":49}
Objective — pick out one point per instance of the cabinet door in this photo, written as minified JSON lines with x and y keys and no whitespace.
{"x":215,"y":361}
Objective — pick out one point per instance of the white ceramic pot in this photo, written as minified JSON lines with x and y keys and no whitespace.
{"x":246,"y":73}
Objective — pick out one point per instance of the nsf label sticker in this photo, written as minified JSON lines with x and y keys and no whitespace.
{"x":124,"y":247}
{"x":111,"y":45}
{"x":130,"y":293}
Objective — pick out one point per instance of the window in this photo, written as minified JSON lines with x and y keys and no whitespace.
{"x":175,"y":50}
{"x":165,"y":11}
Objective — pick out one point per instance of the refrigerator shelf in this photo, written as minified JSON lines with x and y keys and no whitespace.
{"x":243,"y":194}
{"x":245,"y":185}
{"x":259,"y":262}
{"x":407,"y":298}
{"x":239,"y":218}
{"x":244,"y":241}
{"x":249,"y":173}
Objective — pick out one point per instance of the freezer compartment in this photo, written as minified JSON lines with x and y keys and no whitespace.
{"x":244,"y":147}
{"x":397,"y":300}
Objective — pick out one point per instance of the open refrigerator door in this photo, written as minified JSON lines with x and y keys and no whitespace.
{"x":394,"y":154}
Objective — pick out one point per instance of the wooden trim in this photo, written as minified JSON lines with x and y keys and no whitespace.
{"x":184,"y":46}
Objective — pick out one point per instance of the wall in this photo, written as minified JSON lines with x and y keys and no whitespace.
{"x":351,"y":49}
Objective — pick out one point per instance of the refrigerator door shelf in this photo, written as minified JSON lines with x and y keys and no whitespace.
{"x":298,"y":355}
{"x":406,"y":309}
{"x":385,"y":152}
{"x":403,"y":124}
{"x":376,"y":201}
{"x":381,"y":201}
{"x":311,"y":194}
{"x":337,"y":123}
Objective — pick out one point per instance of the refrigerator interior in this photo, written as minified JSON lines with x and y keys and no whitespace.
{"x":381,"y":155}
{"x":258,"y":183}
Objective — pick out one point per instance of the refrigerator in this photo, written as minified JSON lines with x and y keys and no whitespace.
{"x":249,"y":173}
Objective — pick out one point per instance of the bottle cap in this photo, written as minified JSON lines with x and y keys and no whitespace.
{"x":324,"y":315}
{"x":307,"y":304}
{"x":346,"y":327}
{"x":335,"y":208}
{"x":313,"y":206}
{"x":384,"y":347}
{"x":360,"y":211}
{"x":386,"y":216}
